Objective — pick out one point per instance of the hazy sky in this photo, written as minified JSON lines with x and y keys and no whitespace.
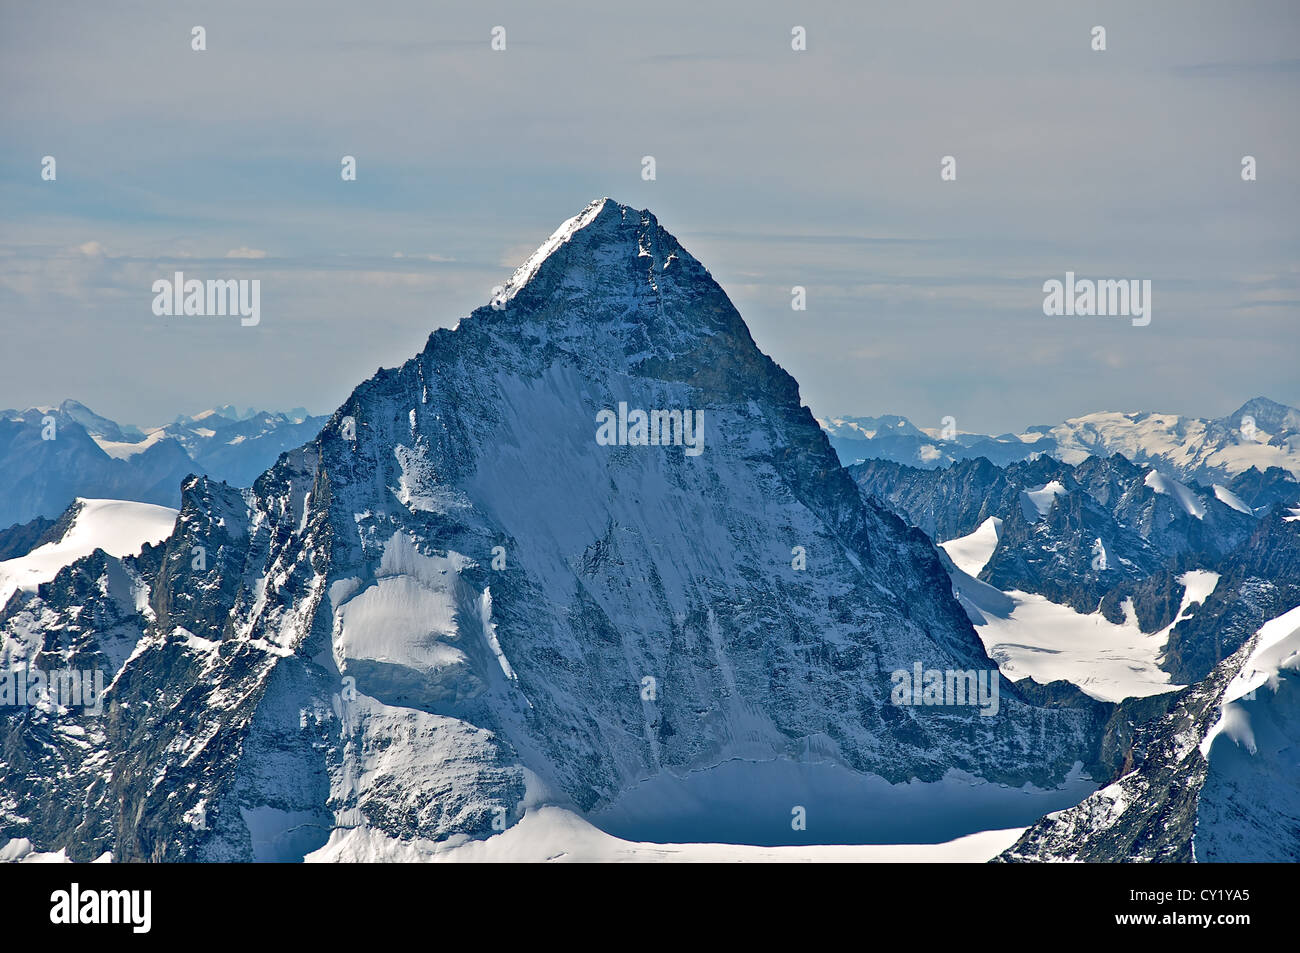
{"x":774,"y":167}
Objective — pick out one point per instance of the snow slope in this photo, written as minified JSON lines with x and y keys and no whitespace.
{"x":119,"y":527}
{"x":1185,"y":497}
{"x":1044,"y":641}
{"x":1249,"y":807}
{"x":124,"y":450}
{"x":1032,"y":637}
{"x":1224,"y":495}
{"x":1277,"y":649}
{"x":1197,"y":585}
{"x":1215,"y":779}
{"x":19,"y":850}
{"x":554,"y":835}
{"x":970,"y":553}
{"x":1037,"y":503}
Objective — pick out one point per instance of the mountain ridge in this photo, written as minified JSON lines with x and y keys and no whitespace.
{"x":454,"y":595}
{"x":1259,"y":436}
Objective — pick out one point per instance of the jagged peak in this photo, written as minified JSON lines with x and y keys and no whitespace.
{"x":1265,"y":410}
{"x":603,"y":222}
{"x":570,"y":227}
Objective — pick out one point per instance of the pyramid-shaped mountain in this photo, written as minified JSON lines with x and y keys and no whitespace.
{"x":589,"y":549}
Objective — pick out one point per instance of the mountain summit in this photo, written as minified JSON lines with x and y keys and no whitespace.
{"x":611,"y":286}
{"x":464,"y":599}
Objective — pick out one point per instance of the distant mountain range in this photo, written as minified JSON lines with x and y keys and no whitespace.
{"x":50,"y":456}
{"x":1131,"y":585}
{"x":1261,"y":435}
{"x":467,"y":602}
{"x":1111,"y":536}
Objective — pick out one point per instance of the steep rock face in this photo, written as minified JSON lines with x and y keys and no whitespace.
{"x":456,"y":595}
{"x":1150,"y":813}
{"x":1187,"y":522}
{"x":1214,"y":779}
{"x":1074,"y":554}
{"x":947,"y":502}
{"x":21,"y":538}
{"x":1084,"y":536}
{"x":1260,"y":580}
{"x":56,"y":762}
{"x":1261,"y":490}
{"x":953,"y":501}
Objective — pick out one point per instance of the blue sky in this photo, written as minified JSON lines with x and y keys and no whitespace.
{"x":775,"y":169}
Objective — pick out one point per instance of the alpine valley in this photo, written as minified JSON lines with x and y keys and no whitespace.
{"x":448,"y":622}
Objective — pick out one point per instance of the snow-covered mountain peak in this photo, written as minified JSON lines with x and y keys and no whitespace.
{"x":1268,"y":415}
{"x":465,"y":596}
{"x":1180,"y":492}
{"x":464,"y":581}
{"x":568,"y":228}
{"x":613,"y":293}
{"x":604,"y":233}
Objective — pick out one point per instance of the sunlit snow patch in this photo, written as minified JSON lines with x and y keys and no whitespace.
{"x":1277,"y":647}
{"x":1224,"y":495}
{"x":554,"y":835}
{"x":1047,"y":642}
{"x":970,"y":553}
{"x":1184,"y":496}
{"x":119,"y":527}
{"x":19,"y":850}
{"x":124,"y":450}
{"x":1037,"y":503}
